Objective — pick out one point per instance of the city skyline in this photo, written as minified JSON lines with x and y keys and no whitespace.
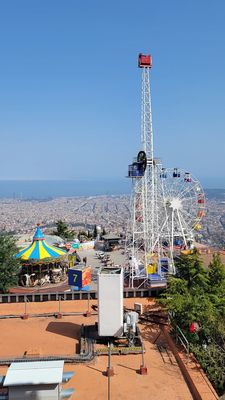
{"x":70,"y":88}
{"x":111,"y":212}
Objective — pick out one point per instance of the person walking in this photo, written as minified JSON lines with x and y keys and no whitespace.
{"x":85,"y":260}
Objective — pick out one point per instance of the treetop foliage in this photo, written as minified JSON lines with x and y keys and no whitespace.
{"x":9,"y":265}
{"x":63,"y":231}
{"x":190,"y":268}
{"x":197,"y":293}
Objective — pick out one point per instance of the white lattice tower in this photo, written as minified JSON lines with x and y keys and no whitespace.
{"x":148,"y":180}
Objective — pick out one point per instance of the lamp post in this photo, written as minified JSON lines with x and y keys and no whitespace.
{"x":110,"y":371}
{"x":25,"y":315}
{"x":59,"y":314}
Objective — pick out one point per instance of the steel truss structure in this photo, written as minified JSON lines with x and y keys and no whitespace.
{"x":167,"y":205}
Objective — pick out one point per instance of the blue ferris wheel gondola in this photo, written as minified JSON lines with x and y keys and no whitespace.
{"x":137,"y":169}
{"x":163,"y":173}
{"x":176,"y":173}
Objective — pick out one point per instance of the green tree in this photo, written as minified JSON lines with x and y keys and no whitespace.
{"x":216,"y":274}
{"x":9,"y":265}
{"x":176,"y":299}
{"x":63,"y":231}
{"x":198,"y":294}
{"x":82,"y":236}
{"x":212,"y":360}
{"x":191,"y":269}
{"x":95,"y":233}
{"x":89,"y":234}
{"x":187,"y":294}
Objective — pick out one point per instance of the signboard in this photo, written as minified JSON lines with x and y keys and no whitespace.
{"x":71,"y":259}
{"x":86,"y":277}
{"x":74,"y":277}
{"x":79,"y":278}
{"x":75,"y":245}
{"x":87,"y":245}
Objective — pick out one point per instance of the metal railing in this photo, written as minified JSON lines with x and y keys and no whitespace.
{"x":179,"y":334}
{"x":73,"y":295}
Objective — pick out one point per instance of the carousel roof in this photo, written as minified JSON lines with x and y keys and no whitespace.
{"x":39,"y":249}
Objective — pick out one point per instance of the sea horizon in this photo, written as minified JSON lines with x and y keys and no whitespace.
{"x":44,"y":189}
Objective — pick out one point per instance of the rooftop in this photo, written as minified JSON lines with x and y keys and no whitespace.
{"x":110,"y":271}
{"x":164,"y":379}
{"x":34,"y":373}
{"x":110,"y":236}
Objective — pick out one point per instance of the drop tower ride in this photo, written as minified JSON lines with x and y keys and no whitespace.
{"x":166,"y":204}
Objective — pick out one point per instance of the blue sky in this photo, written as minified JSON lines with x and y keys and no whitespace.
{"x":70,"y":86}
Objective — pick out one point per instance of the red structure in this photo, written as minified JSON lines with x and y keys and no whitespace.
{"x":194,"y":327}
{"x":201,"y":199}
{"x":143,"y":370}
{"x":144,"y":61}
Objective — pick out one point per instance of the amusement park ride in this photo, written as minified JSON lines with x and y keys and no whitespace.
{"x":167,"y":204}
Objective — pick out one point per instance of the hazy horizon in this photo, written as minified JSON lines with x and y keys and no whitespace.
{"x":42,"y":189}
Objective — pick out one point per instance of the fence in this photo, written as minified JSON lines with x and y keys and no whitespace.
{"x":75,"y":295}
{"x":179,"y":335}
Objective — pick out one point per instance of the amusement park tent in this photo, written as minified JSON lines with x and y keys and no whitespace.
{"x":111,"y":240}
{"x":39,"y":249}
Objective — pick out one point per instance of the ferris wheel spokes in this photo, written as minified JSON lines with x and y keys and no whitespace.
{"x":181,"y":227}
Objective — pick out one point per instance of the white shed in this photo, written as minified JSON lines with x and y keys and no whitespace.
{"x":39,"y":380}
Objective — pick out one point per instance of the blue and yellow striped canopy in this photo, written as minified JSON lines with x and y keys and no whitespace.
{"x":39,"y":250}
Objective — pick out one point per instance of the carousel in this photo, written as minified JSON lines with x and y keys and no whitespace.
{"x":41,"y":263}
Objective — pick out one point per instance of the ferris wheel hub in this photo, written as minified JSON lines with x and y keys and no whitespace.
{"x":174,"y":203}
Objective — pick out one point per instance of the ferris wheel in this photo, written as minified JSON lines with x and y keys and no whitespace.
{"x":181,"y":203}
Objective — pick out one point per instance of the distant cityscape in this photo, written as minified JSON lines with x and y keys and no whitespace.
{"x":111,"y":212}
{"x":21,"y":216}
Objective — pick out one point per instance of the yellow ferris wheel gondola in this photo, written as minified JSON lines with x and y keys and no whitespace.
{"x":197,"y":227}
{"x":151,"y":265}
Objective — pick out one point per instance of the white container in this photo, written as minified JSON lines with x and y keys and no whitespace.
{"x":110,"y":302}
{"x":138,"y":308}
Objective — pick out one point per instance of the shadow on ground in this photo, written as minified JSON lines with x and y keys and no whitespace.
{"x":68,"y":329}
{"x":96,"y":369}
{"x":150,"y":332}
